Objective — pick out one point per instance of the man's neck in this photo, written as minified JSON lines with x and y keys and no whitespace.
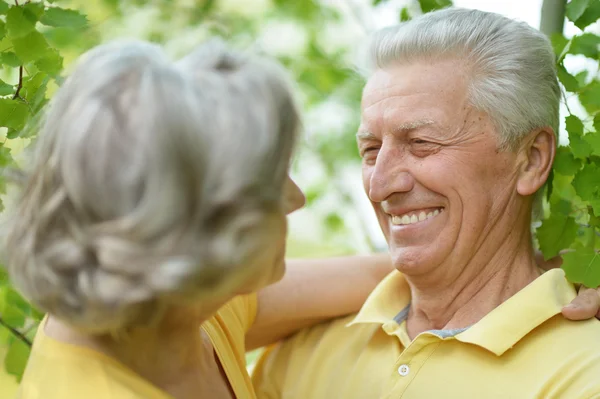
{"x":486,"y":280}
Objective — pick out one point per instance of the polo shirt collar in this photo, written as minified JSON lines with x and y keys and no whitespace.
{"x":500,"y":329}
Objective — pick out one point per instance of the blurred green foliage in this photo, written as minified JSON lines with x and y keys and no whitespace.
{"x":315,"y":41}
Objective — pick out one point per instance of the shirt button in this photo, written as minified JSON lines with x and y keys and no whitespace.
{"x":403,"y":370}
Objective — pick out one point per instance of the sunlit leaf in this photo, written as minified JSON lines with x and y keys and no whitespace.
{"x":569,"y":81}
{"x":16,"y":358}
{"x":10,"y":59}
{"x":580,"y":148}
{"x":590,"y":15}
{"x":64,"y":18}
{"x":582,"y":266}
{"x":432,"y":5}
{"x":586,"y":44}
{"x":590,"y":97}
{"x":51,"y":64}
{"x":19,"y":22}
{"x":31,"y":47}
{"x":5,"y":88}
{"x":13,"y":113}
{"x":576,"y":8}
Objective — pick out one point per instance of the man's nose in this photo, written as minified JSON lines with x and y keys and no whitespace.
{"x":390,"y":175}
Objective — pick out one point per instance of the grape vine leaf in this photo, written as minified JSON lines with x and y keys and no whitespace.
{"x":569,"y":81}
{"x":565,"y":163}
{"x":5,"y":88}
{"x":31,"y":47}
{"x":63,"y":18}
{"x":13,"y":113}
{"x":20,"y":22}
{"x":579,"y":147}
{"x":582,"y":266}
{"x":556,"y":233}
{"x":587,"y":185}
{"x":576,"y":8}
{"x":16,"y":358}
{"x":10,"y":59}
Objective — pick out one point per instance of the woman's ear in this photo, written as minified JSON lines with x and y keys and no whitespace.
{"x":538,"y":151}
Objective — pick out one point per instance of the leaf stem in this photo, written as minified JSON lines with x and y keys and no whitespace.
{"x":16,"y":333}
{"x":20,"y":85}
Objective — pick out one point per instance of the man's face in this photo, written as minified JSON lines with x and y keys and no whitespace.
{"x":431,"y":165}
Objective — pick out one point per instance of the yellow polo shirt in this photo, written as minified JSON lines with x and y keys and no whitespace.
{"x":523,"y":349}
{"x":57,"y":370}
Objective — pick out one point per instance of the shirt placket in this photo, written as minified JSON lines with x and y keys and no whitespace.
{"x":409,"y":363}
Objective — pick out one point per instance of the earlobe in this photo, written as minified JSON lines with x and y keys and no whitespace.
{"x":538,"y":150}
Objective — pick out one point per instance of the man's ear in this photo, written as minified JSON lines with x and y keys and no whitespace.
{"x":537,"y":152}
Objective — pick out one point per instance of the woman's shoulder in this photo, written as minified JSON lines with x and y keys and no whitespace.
{"x":58,"y":370}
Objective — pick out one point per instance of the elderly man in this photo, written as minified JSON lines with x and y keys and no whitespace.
{"x":457,"y":138}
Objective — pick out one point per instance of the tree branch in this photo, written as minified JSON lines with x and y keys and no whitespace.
{"x":20,"y":85}
{"x":16,"y":333}
{"x":553,"y":17}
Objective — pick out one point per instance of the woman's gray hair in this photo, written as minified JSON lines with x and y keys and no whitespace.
{"x":152,"y":182}
{"x":512,"y":65}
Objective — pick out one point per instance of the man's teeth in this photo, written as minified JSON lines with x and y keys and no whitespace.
{"x":405,"y":219}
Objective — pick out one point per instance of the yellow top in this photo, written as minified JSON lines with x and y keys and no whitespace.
{"x":57,"y":370}
{"x":522,"y":349}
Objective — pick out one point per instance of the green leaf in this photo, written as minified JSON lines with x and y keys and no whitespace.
{"x":432,"y":5}
{"x":587,"y":185}
{"x":5,"y":156}
{"x":34,"y":10}
{"x":565,"y":163}
{"x":556,"y":233}
{"x":576,"y":8}
{"x":64,"y":18}
{"x":582,"y":266}
{"x":2,"y":29}
{"x":34,"y":90}
{"x":404,"y":15}
{"x":334,"y":222}
{"x":586,"y":44}
{"x":569,"y":81}
{"x":579,"y":147}
{"x":52,"y":63}
{"x":593,"y":139}
{"x":20,"y":22}
{"x":591,"y":15}
{"x":376,"y":2}
{"x":16,"y":358}
{"x":6,"y":89}
{"x":589,"y":96}
{"x":10,"y":59}
{"x":3,"y":8}
{"x":561,"y":46}
{"x":582,"y":78}
{"x":13,"y":113}
{"x":31,"y":47}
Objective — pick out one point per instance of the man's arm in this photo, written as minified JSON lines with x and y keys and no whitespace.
{"x":314,"y":290}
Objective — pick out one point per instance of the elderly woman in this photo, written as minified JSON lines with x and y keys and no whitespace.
{"x":156,"y":198}
{"x":154,"y":206}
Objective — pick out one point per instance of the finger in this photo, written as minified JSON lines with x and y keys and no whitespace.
{"x":585,"y":306}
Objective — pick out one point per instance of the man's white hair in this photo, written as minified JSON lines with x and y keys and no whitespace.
{"x":152,"y":182}
{"x":512,"y":65}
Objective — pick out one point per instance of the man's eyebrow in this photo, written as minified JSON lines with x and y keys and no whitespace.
{"x":404,"y":127}
{"x":365,"y":135}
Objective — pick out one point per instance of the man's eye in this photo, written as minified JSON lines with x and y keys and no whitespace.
{"x":369,"y":150}
{"x":419,"y":141}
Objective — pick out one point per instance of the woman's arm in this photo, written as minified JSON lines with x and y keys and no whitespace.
{"x":314,"y":290}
